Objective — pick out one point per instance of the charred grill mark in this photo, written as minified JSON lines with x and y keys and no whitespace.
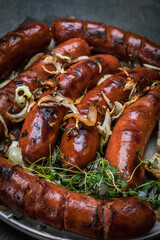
{"x":6,"y":173}
{"x":24,"y":134}
{"x":95,"y":33}
{"x":47,"y":113}
{"x":99,"y":59}
{"x":119,"y":40}
{"x":18,"y":82}
{"x":9,"y":36}
{"x":34,"y":140}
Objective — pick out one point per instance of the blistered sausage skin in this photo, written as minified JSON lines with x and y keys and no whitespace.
{"x":25,"y":41}
{"x":132,"y":133}
{"x":37,"y":136}
{"x":74,"y":212}
{"x":80,"y":149}
{"x":113,"y":40}
{"x":32,"y":76}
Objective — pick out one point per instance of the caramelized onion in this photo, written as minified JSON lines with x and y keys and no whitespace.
{"x":18,"y":117}
{"x":60,"y":62}
{"x":151,"y":66}
{"x":4,"y":125}
{"x":33,"y":60}
{"x":11,"y":77}
{"x":22,"y":94}
{"x":91,"y":117}
{"x":57,"y":98}
{"x":105,"y":130}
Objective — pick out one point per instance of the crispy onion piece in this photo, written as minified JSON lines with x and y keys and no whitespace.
{"x":56,"y":60}
{"x":57,"y":98}
{"x":60,"y":62}
{"x":15,"y":153}
{"x":132,"y":100}
{"x":130,"y":85}
{"x":104,"y":78}
{"x":115,"y":108}
{"x":4,"y":125}
{"x":6,"y":82}
{"x":105,"y":130}
{"x":125,"y":105}
{"x":33,"y":60}
{"x":89,"y":121}
{"x":22,"y":94}
{"x":88,"y":58}
{"x":18,"y":117}
{"x":151,"y":66}
{"x":110,"y":105}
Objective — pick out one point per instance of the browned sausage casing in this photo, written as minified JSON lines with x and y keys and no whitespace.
{"x":32,"y":76}
{"x":109,"y":39}
{"x":132,"y":133}
{"x":15,"y":46}
{"x":80,"y":149}
{"x":37,"y":136}
{"x":74,"y":212}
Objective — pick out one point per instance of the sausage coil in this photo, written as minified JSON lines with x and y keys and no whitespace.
{"x":112,"y":40}
{"x":74,"y":212}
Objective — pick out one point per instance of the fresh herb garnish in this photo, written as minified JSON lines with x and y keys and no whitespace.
{"x":100,"y":179}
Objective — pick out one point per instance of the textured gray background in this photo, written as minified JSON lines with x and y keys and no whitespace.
{"x":138,"y":16}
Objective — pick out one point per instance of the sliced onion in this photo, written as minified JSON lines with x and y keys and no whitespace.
{"x":105,"y":130}
{"x":88,"y":58}
{"x":4,"y":125}
{"x":18,"y":117}
{"x":20,"y":99}
{"x":61,"y":57}
{"x":124,"y":106}
{"x":151,"y":66}
{"x":33,"y":60}
{"x":53,"y":60}
{"x":56,"y":59}
{"x":6,"y":82}
{"x":57,"y":98}
{"x":15,"y":153}
{"x":89,"y":121}
{"x":104,"y":78}
{"x":117,"y":108}
{"x":107,"y":100}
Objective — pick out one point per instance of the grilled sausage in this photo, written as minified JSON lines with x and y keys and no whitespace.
{"x":113,"y":40}
{"x":132,"y":133}
{"x":41,"y":127}
{"x":74,"y":212}
{"x":80,"y":149}
{"x":32,"y":76}
{"x":15,"y":46}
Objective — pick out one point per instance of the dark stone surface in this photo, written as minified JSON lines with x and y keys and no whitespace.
{"x":138,"y":16}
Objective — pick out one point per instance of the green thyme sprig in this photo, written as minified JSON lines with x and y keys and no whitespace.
{"x":100,"y":179}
